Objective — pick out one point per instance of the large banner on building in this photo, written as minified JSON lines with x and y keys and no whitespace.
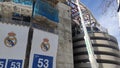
{"x":13,"y":42}
{"x":43,"y":50}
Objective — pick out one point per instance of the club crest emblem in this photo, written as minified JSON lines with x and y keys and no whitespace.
{"x":45,"y":46}
{"x":10,"y":40}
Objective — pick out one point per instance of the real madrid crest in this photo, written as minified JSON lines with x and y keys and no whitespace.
{"x":45,"y":46}
{"x":10,"y":40}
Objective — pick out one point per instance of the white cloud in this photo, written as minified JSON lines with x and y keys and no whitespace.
{"x":111,"y":22}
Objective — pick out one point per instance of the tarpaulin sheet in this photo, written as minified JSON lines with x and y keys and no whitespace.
{"x":25,"y":2}
{"x":42,"y":8}
{"x":45,"y":9}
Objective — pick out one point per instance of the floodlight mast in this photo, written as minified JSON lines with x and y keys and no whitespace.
{"x":88,"y":43}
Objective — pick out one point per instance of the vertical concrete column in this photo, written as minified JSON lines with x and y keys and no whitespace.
{"x":65,"y":49}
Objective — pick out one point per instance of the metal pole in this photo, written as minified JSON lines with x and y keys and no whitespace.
{"x":118,"y":2}
{"x":30,"y":35}
{"x":87,"y":40}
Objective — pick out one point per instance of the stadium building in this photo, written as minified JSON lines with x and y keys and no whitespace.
{"x":59,"y":21}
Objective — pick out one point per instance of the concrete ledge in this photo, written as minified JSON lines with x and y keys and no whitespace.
{"x":100,"y":57}
{"x":98,"y":49}
{"x":96,"y":36}
{"x":105,"y":43}
{"x":101,"y":65}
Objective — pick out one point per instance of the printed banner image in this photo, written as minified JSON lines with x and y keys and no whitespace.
{"x":43,"y":50}
{"x":13,"y":43}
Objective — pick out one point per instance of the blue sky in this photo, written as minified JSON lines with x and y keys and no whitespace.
{"x":93,"y":6}
{"x":108,"y":20}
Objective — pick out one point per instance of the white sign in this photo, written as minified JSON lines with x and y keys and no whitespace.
{"x":43,"y":50}
{"x":13,"y":43}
